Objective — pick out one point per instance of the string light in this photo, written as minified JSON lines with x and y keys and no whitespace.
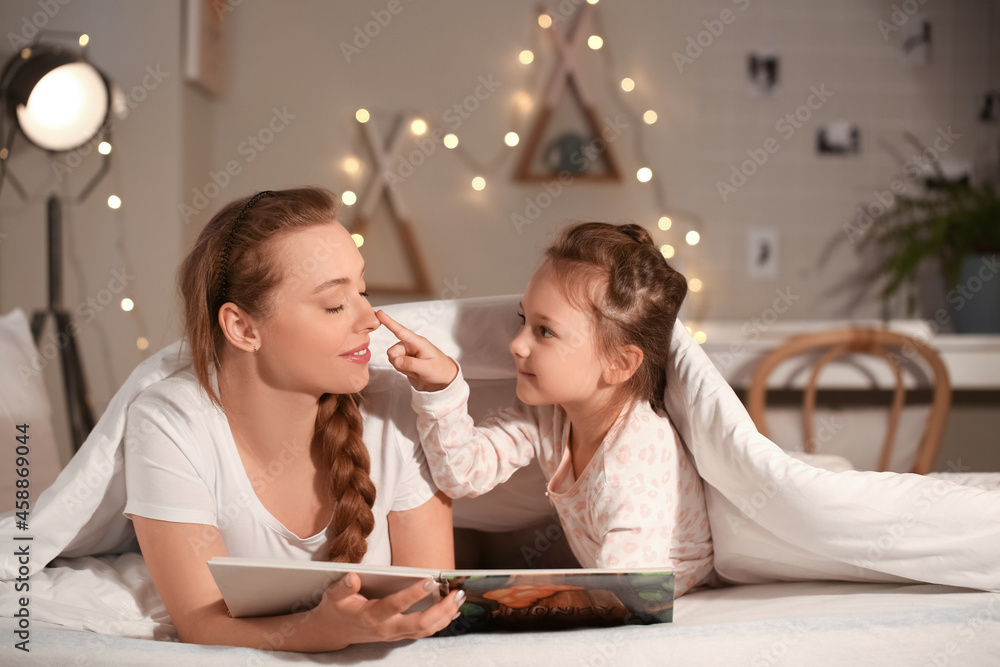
{"x":700,"y":337}
{"x":628,"y":85}
{"x":84,"y":40}
{"x":114,"y":201}
{"x":523,"y":101}
{"x":695,"y":285}
{"x":450,"y":141}
{"x":595,"y":42}
{"x":644,"y":174}
{"x":349,"y":198}
{"x":478,"y":183}
{"x":359,"y":240}
{"x":526,"y":57}
{"x":545,"y":21}
{"x":352,"y":165}
{"x":511,"y":139}
{"x":667,"y":250}
{"x":664,"y":223}
{"x":362,"y":115}
{"x":692,"y":237}
{"x":142,"y":343}
{"x":649,"y":117}
{"x":104,"y":148}
{"x":127,"y":304}
{"x":419,"y":126}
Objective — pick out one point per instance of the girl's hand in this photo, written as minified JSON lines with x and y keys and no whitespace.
{"x":427,"y":368}
{"x":360,"y":620}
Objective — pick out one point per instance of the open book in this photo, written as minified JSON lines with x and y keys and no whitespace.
{"x":495,"y":599}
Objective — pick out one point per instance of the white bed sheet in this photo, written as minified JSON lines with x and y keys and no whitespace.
{"x":794,"y":623}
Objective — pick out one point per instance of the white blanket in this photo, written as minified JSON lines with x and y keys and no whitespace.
{"x":773,"y":517}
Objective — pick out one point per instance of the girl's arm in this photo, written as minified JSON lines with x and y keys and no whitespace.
{"x":177,"y":556}
{"x":465,"y":459}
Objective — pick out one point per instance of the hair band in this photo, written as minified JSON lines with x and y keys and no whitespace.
{"x":224,"y":267}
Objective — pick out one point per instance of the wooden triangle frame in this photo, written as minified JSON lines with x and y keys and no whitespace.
{"x":566,"y":75}
{"x":382,"y":155}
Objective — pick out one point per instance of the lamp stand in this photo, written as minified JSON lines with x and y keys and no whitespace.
{"x":81,"y":416}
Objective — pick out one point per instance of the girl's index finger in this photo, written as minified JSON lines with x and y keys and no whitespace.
{"x":398,"y":330}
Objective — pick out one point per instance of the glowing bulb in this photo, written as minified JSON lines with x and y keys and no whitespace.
{"x":700,"y":337}
{"x":104,"y":148}
{"x":628,"y":85}
{"x":692,"y":237}
{"x":545,"y":21}
{"x":523,"y":101}
{"x":450,"y":140}
{"x":526,"y":57}
{"x":664,"y":223}
{"x":349,"y":198}
{"x":595,"y":42}
{"x":649,"y":117}
{"x":114,"y":201}
{"x":362,"y":115}
{"x":84,"y":40}
{"x":695,"y":285}
{"x":359,"y":240}
{"x":478,"y":183}
{"x":352,"y":165}
{"x":418,"y":126}
{"x":592,"y":2}
{"x":142,"y":343}
{"x":667,"y":250}
{"x":127,"y":304}
{"x":511,"y":139}
{"x":644,"y":174}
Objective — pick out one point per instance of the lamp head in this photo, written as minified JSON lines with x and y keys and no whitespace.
{"x":58,"y":99}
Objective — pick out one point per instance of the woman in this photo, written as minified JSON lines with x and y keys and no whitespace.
{"x":256,"y":450}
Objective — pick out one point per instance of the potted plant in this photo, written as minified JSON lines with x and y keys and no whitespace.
{"x":955,"y":221}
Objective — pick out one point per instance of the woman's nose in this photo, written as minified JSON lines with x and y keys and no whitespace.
{"x":367,"y":321}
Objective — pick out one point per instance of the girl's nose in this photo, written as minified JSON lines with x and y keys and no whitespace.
{"x":519,"y":345}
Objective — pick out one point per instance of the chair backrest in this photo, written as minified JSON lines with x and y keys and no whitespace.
{"x":890,"y":346}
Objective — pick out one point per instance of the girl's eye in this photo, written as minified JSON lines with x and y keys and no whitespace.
{"x":335,"y":310}
{"x":545,"y":332}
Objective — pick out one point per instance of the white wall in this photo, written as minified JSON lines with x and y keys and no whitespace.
{"x":430,"y":56}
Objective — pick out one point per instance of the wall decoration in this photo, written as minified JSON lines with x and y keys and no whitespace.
{"x":568,"y":147}
{"x":915,"y":42}
{"x":838,"y":138}
{"x":205,"y":45}
{"x":383,"y":156}
{"x":763,"y":72}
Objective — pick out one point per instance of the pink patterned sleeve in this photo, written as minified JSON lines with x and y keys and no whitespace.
{"x":468,"y":459}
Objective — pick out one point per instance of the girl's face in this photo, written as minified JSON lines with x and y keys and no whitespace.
{"x":315,"y":338}
{"x":555,"y":351}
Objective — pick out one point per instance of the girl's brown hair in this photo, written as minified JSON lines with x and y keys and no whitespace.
{"x":236,"y":264}
{"x":618,"y":275}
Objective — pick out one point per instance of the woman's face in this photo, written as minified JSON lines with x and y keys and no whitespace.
{"x":314,"y":339}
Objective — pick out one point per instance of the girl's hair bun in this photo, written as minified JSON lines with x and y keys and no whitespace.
{"x":637,"y":233}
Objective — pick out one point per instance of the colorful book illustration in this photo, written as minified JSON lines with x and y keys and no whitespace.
{"x":495,"y":599}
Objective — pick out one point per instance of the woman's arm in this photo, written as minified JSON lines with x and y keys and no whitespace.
{"x":422,"y":536}
{"x":177,"y":555}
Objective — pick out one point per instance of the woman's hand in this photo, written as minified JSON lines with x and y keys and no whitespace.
{"x":349,"y":614}
{"x":426,"y":367}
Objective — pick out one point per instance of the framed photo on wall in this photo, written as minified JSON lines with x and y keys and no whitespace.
{"x":205,"y":43}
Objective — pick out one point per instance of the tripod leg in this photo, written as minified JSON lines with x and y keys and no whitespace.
{"x":81,"y":415}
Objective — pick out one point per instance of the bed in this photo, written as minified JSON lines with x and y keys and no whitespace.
{"x":823,"y":567}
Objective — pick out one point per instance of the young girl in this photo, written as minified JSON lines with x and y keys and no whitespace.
{"x":256,"y":449}
{"x":591,"y":358}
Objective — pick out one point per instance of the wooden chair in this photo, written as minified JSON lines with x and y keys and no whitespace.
{"x":888,"y":345}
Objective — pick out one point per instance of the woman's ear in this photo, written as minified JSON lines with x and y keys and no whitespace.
{"x":238,"y":328}
{"x":625,"y":364}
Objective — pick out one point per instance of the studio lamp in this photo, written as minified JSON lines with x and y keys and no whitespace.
{"x":59,"y":102}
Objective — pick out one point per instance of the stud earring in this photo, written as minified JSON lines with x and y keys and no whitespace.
{"x":255,"y":349}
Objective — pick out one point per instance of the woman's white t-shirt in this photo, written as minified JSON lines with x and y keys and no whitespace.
{"x":182,"y":465}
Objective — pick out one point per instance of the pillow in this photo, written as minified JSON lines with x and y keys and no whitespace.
{"x":23,"y":400}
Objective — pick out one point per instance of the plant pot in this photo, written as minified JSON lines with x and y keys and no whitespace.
{"x":975,"y":301}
